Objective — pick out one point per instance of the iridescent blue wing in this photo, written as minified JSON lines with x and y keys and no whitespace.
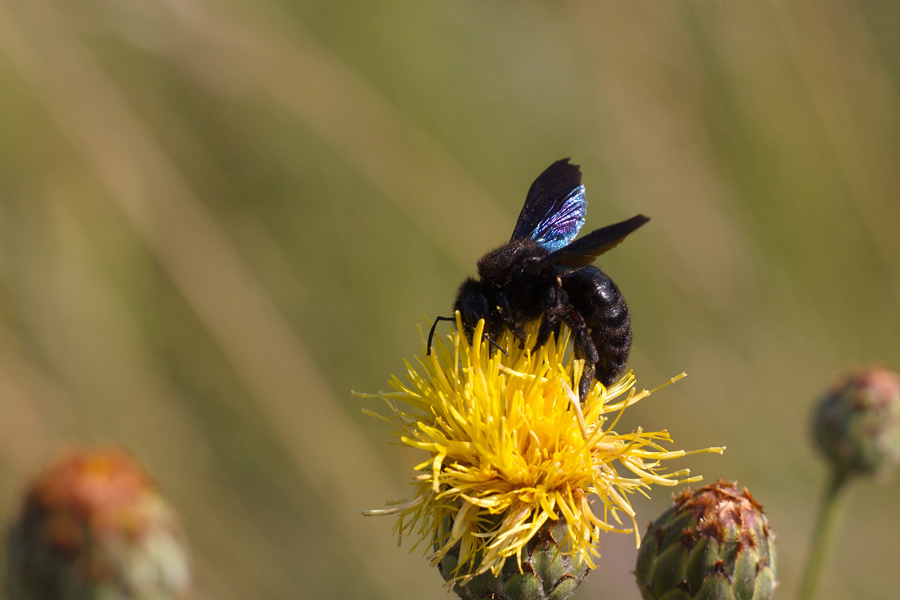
{"x":586,"y":249}
{"x":554,"y":208}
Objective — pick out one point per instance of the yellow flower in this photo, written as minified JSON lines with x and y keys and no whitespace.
{"x":510,"y":449}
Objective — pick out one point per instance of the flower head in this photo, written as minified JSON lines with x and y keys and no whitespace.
{"x":857,"y":422}
{"x":714,"y":542}
{"x":93,"y":525}
{"x":510,"y":450}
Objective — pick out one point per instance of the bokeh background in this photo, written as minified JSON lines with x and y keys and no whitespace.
{"x":217,"y":218}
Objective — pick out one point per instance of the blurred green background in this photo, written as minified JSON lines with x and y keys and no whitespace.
{"x":219,"y":218}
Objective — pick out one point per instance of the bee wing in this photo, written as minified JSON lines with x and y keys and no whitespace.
{"x":586,"y":249}
{"x":554,"y":208}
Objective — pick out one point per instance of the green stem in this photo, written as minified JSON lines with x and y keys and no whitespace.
{"x":826,"y":528}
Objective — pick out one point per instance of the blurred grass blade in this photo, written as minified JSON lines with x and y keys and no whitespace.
{"x":205,"y":267}
{"x":395,"y":156}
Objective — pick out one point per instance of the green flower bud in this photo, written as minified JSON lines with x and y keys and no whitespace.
{"x":857,"y":422}
{"x":712,"y":544}
{"x":548,"y":571}
{"x":93,"y":526}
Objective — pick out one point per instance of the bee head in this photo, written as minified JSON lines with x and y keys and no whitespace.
{"x":473,"y":305}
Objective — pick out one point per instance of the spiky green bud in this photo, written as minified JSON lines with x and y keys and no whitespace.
{"x":712,"y":544}
{"x":857,"y":422}
{"x":92,"y":527}
{"x":548,"y":572}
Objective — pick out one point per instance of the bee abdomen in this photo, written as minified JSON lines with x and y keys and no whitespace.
{"x":605,"y":312}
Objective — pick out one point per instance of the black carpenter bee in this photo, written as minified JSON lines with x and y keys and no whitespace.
{"x":543,"y":274}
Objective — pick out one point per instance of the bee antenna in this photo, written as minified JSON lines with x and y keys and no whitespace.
{"x":431,"y":332}
{"x":496,"y":345}
{"x":439,"y":319}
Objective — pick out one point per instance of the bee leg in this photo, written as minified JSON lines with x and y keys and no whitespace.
{"x":519,"y":331}
{"x":587,"y":379}
{"x":557,"y":329}
{"x":505,"y":311}
{"x":553,"y":301}
{"x":549,"y":324}
{"x":584,"y":349}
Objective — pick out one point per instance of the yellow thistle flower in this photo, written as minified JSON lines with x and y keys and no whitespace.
{"x":511,"y":449}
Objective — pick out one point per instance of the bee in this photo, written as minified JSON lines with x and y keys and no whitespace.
{"x":541,"y":273}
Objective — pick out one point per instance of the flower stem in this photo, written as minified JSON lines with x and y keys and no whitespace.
{"x":829,"y":516}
